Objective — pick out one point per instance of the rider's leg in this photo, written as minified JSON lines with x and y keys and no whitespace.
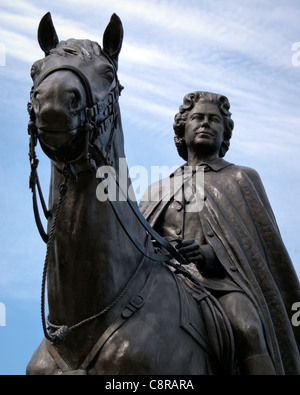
{"x":252,"y":353}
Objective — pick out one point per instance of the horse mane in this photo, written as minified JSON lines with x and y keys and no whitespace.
{"x":85,"y":49}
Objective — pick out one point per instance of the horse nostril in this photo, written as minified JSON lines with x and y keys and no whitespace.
{"x":76,"y":102}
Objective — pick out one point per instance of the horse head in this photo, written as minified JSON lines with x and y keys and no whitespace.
{"x":74,"y":98}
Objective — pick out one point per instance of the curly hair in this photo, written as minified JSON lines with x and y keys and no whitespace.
{"x":189,"y":102}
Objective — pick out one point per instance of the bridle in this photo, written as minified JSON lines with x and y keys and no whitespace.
{"x":97,"y":115}
{"x":100,"y":119}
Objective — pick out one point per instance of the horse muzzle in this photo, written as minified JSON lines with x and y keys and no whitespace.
{"x":58,"y":104}
{"x":58,"y":139}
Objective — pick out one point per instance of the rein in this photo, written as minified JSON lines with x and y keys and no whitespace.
{"x":99,"y":118}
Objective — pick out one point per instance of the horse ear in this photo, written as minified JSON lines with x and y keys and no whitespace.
{"x":47,"y":36}
{"x":113,"y":38}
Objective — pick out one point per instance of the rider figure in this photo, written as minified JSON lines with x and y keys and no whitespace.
{"x":232,"y":242}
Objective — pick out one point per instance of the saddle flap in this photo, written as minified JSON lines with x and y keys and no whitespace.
{"x":211,"y":328}
{"x":192,"y":320}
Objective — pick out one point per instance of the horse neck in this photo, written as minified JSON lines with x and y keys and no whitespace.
{"x":92,"y":258}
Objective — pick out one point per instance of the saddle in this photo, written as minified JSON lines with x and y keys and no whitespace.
{"x":210,"y":329}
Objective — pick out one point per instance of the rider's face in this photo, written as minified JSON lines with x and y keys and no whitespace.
{"x":204,"y":129}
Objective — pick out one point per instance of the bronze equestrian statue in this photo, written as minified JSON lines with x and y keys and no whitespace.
{"x":117,"y":304}
{"x":232,"y":241}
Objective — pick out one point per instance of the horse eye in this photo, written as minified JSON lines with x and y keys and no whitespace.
{"x":109,"y":75}
{"x":34,"y":69}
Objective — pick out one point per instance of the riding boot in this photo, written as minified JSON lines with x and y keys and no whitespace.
{"x":257,"y":365}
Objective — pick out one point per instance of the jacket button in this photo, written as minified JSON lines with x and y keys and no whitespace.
{"x":178,"y":206}
{"x":210,"y":233}
{"x":233,"y":268}
{"x":178,"y":231}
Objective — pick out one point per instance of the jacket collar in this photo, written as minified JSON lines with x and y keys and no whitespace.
{"x":215,"y":165}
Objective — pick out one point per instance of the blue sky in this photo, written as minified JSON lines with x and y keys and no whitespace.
{"x":240,"y":48}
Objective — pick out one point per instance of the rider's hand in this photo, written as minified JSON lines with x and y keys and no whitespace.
{"x":191,"y":251}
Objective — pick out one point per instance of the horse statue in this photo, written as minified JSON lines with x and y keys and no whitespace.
{"x":116,"y":303}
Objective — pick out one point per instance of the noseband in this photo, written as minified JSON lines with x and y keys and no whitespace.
{"x":83,"y":78}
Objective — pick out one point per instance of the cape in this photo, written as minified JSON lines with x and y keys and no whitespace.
{"x":240,"y":226}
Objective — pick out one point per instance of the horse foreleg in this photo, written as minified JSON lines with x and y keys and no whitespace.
{"x":42,"y":363}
